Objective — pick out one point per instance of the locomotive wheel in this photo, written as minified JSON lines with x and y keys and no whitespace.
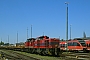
{"x":44,"y":53}
{"x":76,"y":51}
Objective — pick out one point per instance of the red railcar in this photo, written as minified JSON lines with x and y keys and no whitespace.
{"x":75,"y":45}
{"x":88,"y":44}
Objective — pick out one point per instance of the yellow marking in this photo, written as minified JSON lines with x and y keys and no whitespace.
{"x":4,"y":58}
{"x":49,"y":53}
{"x":0,"y":54}
{"x":76,"y":56}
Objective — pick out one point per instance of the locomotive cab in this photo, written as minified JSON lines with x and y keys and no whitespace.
{"x":29,"y":42}
{"x":88,"y":44}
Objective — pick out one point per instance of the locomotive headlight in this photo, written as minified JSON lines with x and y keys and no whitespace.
{"x":56,"y":45}
{"x":65,"y":48}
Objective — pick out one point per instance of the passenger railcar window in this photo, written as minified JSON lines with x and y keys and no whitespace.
{"x":76,"y":44}
{"x":83,"y":44}
{"x":70,"y":44}
{"x":87,"y":45}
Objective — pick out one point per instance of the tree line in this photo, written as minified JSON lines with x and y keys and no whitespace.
{"x":1,"y":43}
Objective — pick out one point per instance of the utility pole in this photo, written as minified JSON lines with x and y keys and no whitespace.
{"x":84,"y":35}
{"x":70,"y":32}
{"x":8,"y":39}
{"x":66,"y":25}
{"x":17,"y":36}
{"x":27,"y":32}
{"x":59,"y":37}
{"x":43,"y":33}
{"x":31,"y":31}
{"x":1,"y":39}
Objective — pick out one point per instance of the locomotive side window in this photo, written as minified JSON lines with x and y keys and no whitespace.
{"x":89,"y":45}
{"x":35,"y":44}
{"x":53,"y":43}
{"x":42,"y":44}
{"x":46,"y":43}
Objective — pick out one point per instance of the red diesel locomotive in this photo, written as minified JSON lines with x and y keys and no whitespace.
{"x":74,"y":45}
{"x":43,"y":45}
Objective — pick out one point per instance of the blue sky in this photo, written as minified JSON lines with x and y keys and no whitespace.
{"x":48,"y":16}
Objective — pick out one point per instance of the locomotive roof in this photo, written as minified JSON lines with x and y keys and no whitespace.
{"x":80,"y":39}
{"x":41,"y":37}
{"x":31,"y":39}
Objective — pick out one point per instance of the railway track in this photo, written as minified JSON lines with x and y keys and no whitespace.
{"x":76,"y":56}
{"x":65,"y":56}
{"x":10,"y":57}
{"x":17,"y":56}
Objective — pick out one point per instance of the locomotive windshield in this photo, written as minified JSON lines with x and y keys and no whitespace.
{"x":82,"y":42}
{"x":28,"y":40}
{"x":62,"y":45}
